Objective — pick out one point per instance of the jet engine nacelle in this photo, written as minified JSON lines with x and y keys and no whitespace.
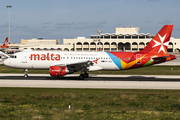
{"x":58,"y":70}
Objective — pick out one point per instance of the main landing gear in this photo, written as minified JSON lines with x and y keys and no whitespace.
{"x":26,"y":73}
{"x":82,"y":76}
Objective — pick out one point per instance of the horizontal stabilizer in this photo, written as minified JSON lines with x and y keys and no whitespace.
{"x":163,"y":59}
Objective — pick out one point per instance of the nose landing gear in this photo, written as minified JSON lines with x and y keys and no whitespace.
{"x":26,"y":73}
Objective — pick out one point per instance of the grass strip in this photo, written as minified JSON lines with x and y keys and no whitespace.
{"x":88,"y":104}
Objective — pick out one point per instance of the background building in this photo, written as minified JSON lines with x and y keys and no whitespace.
{"x":40,"y":44}
{"x":124,"y":39}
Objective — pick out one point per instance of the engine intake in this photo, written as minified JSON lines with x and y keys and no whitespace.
{"x":58,"y":70}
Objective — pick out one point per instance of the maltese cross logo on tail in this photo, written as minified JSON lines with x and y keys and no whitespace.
{"x":163,"y":45}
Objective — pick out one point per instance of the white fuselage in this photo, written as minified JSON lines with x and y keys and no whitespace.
{"x":45,"y":59}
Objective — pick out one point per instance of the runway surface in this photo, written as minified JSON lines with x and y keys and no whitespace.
{"x":94,"y":81}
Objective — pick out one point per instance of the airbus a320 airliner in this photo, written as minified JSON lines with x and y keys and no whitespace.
{"x":5,"y":45}
{"x":61,"y":63}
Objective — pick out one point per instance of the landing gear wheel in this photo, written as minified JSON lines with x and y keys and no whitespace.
{"x":81,"y":77}
{"x":86,"y":75}
{"x":26,"y":73}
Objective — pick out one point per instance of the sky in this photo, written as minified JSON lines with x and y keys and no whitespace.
{"x":59,"y":19}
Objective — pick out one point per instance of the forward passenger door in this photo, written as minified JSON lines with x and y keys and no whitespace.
{"x":24,"y":58}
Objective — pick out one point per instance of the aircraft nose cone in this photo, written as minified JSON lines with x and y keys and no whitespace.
{"x":6,"y":62}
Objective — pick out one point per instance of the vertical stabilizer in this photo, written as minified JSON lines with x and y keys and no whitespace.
{"x":6,"y":42}
{"x":159,"y":44}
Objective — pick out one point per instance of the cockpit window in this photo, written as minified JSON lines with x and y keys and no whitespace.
{"x":13,"y":56}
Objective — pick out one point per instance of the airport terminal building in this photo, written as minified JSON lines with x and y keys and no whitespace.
{"x":124,"y":39}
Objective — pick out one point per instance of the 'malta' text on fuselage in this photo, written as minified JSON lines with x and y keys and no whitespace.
{"x":44,"y":57}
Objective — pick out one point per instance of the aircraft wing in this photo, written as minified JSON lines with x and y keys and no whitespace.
{"x":1,"y":49}
{"x":79,"y":66}
{"x":86,"y":65}
{"x":9,"y":49}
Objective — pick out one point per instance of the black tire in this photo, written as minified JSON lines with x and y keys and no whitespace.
{"x":25,"y":75}
{"x":81,"y":77}
{"x":86,"y":75}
